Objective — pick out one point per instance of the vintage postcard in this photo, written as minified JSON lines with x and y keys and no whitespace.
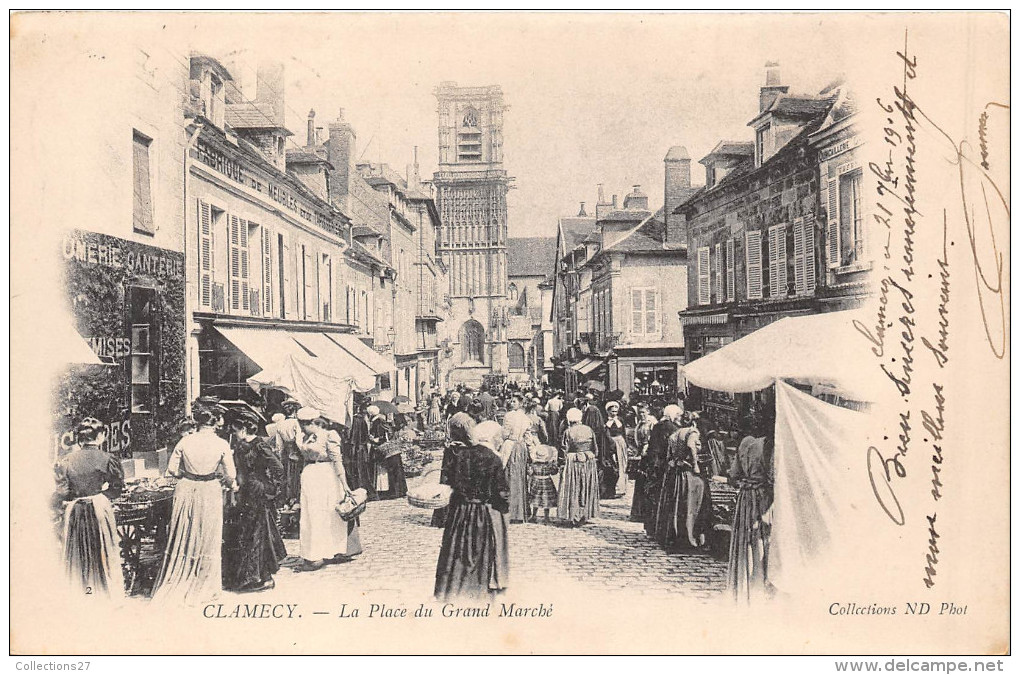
{"x":510,"y":333}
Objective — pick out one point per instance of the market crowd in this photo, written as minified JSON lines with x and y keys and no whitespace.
{"x":511,"y":454}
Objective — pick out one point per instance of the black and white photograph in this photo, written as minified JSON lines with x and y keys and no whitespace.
{"x":510,"y":333}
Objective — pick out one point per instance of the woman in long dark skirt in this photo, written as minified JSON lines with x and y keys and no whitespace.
{"x":752,"y":472}
{"x":684,"y":510}
{"x":361,"y":471}
{"x":253,"y":547}
{"x":458,"y":431}
{"x":640,"y":507}
{"x":387,"y":457}
{"x":474,"y":560}
{"x":654,"y":462}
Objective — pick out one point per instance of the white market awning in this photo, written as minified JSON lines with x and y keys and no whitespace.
{"x":816,"y":349}
{"x":338,"y":360}
{"x":265,"y":346}
{"x":380,"y":364}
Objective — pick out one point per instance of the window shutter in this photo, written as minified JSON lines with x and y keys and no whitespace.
{"x":651,"y":312}
{"x":731,"y":290}
{"x":243,"y":247}
{"x":704,"y":278}
{"x":205,"y":254}
{"x":781,"y":260}
{"x":809,"y":256}
{"x":799,"y":282}
{"x":287,"y":284}
{"x":752,"y":254}
{"x":234,"y":238}
{"x":720,"y":290}
{"x":637,"y":314}
{"x":773,"y":262}
{"x":267,"y":270}
{"x":832,"y":216}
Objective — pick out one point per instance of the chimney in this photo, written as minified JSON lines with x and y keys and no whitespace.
{"x":772,"y":89}
{"x":413,"y":176}
{"x":342,"y":145}
{"x":677,"y":190}
{"x":636,"y":200}
{"x":602,"y":207}
{"x":311,"y":128}
{"x":582,"y":213}
{"x":269,"y":89}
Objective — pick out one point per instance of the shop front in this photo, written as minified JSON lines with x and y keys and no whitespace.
{"x":127,"y":303}
{"x":646,"y":372}
{"x":248,"y":360}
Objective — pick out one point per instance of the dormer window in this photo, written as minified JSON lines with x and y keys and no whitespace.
{"x":710,"y":175}
{"x":213,"y":98}
{"x":759,"y":145}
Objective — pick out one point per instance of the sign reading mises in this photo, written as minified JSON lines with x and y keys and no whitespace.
{"x":99,"y":249}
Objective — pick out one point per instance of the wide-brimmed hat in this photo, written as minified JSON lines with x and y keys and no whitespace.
{"x":574,"y":415}
{"x":612,"y":405}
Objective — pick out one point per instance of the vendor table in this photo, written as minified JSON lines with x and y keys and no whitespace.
{"x":142,"y":522}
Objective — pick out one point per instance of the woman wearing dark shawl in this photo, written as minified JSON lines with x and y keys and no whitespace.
{"x":361,"y":471}
{"x":654,"y":462}
{"x":252,"y":545}
{"x":474,"y":560}
{"x":458,"y":431}
{"x":684,"y":510}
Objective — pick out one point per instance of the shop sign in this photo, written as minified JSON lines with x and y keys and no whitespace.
{"x":118,"y":438}
{"x":97,"y":249}
{"x":110,"y":347}
{"x":839,"y":148}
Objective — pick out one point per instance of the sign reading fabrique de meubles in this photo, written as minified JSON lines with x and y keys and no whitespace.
{"x":127,"y":302}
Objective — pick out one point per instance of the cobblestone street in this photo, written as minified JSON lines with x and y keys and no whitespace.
{"x":609,"y":554}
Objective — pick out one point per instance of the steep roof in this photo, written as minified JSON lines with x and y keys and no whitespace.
{"x":573,"y":231}
{"x":250,"y":115}
{"x":530,"y":256}
{"x":649,"y":235}
{"x":787,"y":105}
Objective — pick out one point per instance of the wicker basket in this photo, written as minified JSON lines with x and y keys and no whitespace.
{"x":429,"y":495}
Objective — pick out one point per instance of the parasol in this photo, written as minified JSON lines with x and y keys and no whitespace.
{"x":401,"y":399}
{"x":596,"y":385}
{"x":385,"y":407}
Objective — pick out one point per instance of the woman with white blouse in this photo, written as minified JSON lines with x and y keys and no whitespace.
{"x":203,"y":464}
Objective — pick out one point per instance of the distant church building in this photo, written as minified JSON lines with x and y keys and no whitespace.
{"x":471,"y":187}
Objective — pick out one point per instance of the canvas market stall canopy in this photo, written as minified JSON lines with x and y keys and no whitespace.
{"x":822,"y":489}
{"x":313,"y":367}
{"x":820,"y":350}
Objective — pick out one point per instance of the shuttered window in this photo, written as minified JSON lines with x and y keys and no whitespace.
{"x":720,"y":290}
{"x":238,"y":239}
{"x":777,"y":261}
{"x":142,"y":210}
{"x":731,"y":287}
{"x":644,"y":311}
{"x":267,"y":271}
{"x":704,"y":276}
{"x":809,"y":255}
{"x":830,"y":197}
{"x":205,"y":254}
{"x":752,"y":260}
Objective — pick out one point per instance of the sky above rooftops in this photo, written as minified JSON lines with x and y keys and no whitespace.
{"x":593,"y":98}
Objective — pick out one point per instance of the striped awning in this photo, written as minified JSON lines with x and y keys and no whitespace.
{"x":587,"y":365}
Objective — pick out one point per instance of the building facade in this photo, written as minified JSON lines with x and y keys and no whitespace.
{"x":529,"y":260}
{"x":759,"y":230}
{"x":123,"y":250}
{"x":470,"y":189}
{"x":267,"y":252}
